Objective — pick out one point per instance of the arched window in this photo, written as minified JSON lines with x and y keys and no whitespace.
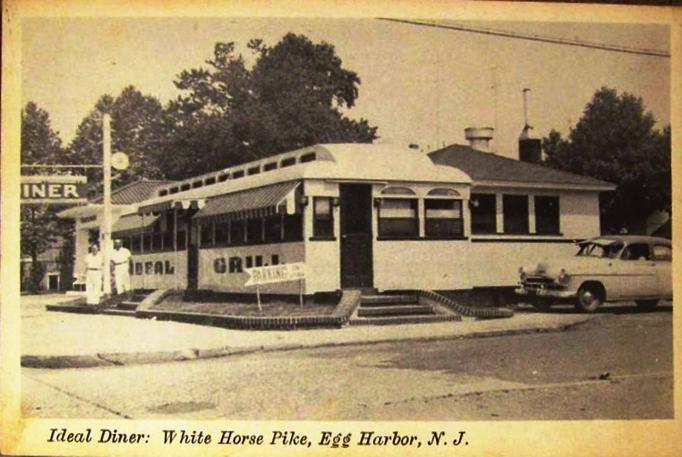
{"x":443,"y":211}
{"x":398,"y":191}
{"x":443,"y":192}
{"x":398,"y":213}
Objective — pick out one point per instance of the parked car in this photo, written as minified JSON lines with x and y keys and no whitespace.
{"x":607,"y":268}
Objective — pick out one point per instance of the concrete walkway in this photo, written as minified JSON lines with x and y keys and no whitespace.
{"x":65,"y":340}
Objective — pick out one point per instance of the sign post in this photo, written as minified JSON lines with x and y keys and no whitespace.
{"x":106,"y":217}
{"x":277,"y":273}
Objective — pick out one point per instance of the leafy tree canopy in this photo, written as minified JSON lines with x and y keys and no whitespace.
{"x":39,"y":143}
{"x":292,"y":96}
{"x":138,"y":129}
{"x":615,"y":140}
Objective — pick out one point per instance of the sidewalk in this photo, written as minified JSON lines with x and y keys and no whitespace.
{"x":65,"y":340}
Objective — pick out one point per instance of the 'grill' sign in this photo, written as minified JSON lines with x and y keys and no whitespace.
{"x":41,"y":189}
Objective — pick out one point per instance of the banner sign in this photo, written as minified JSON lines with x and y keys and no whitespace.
{"x":275,"y":273}
{"x":42,"y":189}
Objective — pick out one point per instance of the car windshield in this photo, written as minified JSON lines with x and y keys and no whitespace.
{"x":599,"y":248}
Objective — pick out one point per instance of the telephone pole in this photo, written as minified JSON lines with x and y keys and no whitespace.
{"x":105,"y":229}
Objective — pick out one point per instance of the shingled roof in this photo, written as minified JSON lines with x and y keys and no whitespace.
{"x":134,"y":192}
{"x":486,"y":166}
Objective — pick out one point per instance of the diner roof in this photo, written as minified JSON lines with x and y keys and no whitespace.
{"x":331,"y":162}
{"x":487,"y":167}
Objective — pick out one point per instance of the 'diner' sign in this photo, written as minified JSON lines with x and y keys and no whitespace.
{"x":276,"y":273}
{"x":40,"y":189}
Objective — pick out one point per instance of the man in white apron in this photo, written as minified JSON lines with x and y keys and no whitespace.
{"x":120,"y":258}
{"x":93,"y":276}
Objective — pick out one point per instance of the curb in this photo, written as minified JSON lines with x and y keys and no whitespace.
{"x":139,"y":358}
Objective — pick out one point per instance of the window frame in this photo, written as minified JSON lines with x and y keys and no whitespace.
{"x":525,"y":221}
{"x":475,"y":197}
{"x":323,"y":224}
{"x":427,"y":219}
{"x":382,"y":220}
{"x":556,"y":230}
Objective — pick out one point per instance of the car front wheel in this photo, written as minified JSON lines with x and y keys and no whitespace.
{"x":646,"y":305}
{"x":589,"y":298}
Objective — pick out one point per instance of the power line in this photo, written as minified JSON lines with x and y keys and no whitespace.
{"x":540,"y":38}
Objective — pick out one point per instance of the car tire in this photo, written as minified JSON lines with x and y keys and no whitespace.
{"x":589,"y":298}
{"x":646,"y":305}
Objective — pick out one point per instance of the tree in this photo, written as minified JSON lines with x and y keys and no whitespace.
{"x":39,"y":143}
{"x":40,"y":227}
{"x":292,"y":96}
{"x":615,"y":141}
{"x":138,"y":129}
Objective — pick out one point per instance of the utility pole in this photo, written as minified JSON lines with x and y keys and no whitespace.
{"x":105,"y":229}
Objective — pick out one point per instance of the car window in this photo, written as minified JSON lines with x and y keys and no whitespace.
{"x":598,"y":249}
{"x":662,"y":252}
{"x":636,"y":251}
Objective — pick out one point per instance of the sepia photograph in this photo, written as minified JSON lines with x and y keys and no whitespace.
{"x":382,"y":218}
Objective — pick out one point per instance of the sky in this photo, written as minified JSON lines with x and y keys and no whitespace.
{"x":418,"y":85}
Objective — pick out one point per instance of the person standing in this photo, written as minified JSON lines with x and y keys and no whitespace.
{"x":93,"y":276}
{"x":120,"y":259}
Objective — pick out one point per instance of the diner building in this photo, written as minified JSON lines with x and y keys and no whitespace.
{"x":363,"y":216}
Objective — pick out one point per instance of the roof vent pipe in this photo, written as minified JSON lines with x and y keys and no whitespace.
{"x":479,"y":137}
{"x":530,"y":148}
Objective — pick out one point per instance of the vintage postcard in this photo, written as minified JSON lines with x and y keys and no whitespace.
{"x":411,"y":228}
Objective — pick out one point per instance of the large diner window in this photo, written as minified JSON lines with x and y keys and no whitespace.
{"x":181,"y":240}
{"x":547,"y":215}
{"x":167,"y":240}
{"x":237,"y":231}
{"x":274,"y":226}
{"x":136,"y":244}
{"x":293,"y":227}
{"x":515,"y":209}
{"x":483,"y":213}
{"x":206,"y":235}
{"x":443,"y":214}
{"x":323,"y":217}
{"x":221,"y":233}
{"x":398,"y":216}
{"x":254,"y":230}
{"x":147,"y":242}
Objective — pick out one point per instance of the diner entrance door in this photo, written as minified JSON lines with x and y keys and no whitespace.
{"x":356,"y":235}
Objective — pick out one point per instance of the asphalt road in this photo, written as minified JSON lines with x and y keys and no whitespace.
{"x":617,"y":366}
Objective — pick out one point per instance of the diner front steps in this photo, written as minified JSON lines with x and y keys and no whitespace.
{"x":127,"y":306}
{"x":390,"y":309}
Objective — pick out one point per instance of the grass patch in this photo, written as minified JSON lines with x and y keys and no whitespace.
{"x":270,"y":309}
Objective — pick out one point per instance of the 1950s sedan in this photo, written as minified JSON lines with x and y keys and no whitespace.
{"x":607,"y":268}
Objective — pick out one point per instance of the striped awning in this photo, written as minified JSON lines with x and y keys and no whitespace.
{"x":252,"y":203}
{"x":133,"y":223}
{"x":180,"y":203}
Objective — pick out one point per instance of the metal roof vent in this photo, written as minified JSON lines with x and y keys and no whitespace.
{"x":479,"y":137}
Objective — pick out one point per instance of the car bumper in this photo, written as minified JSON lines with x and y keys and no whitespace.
{"x":548,"y":293}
